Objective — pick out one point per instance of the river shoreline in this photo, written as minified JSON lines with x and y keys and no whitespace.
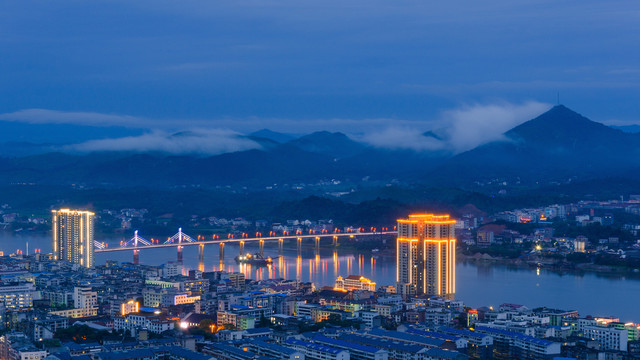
{"x":552,"y":265}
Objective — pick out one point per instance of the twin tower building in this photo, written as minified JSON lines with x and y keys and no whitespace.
{"x":426,"y":256}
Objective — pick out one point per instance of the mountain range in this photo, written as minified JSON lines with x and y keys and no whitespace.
{"x":557,"y":146}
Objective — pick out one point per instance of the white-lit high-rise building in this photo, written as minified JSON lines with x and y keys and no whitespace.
{"x":73,"y":236}
{"x":426,"y":256}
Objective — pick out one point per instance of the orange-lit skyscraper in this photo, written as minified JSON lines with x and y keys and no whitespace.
{"x":426,"y":256}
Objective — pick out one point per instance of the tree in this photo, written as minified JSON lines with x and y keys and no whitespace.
{"x":229,"y":326}
{"x":207,"y":325}
{"x":264,"y":322}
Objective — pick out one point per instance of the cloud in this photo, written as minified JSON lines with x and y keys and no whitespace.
{"x":475,"y":125}
{"x":46,"y":116}
{"x":458,"y":130}
{"x":403,"y":138}
{"x":198,"y":141}
{"x":239,"y":124}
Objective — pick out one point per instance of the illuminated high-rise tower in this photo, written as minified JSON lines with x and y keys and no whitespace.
{"x":73,"y":236}
{"x":426,"y":256}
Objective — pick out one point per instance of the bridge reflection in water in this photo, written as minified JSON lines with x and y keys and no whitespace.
{"x":180,"y":240}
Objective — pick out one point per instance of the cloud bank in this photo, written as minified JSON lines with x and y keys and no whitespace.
{"x":458,"y":130}
{"x":46,"y":116}
{"x":199,"y":141}
{"x":475,"y":125}
{"x":453,"y":131}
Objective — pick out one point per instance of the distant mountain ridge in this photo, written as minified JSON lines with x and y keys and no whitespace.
{"x":558,"y":145}
{"x":273,"y":135}
{"x":323,"y":142}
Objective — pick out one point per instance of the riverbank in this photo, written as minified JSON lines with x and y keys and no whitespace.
{"x":553,"y":265}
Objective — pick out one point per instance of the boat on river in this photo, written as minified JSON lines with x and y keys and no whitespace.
{"x":253,"y":259}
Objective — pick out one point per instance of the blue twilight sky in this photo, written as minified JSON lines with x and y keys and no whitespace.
{"x":295,"y":65}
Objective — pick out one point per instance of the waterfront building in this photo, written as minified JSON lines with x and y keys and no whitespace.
{"x":355,"y":282}
{"x":605,"y":332}
{"x":426,"y":256}
{"x":73,"y":236}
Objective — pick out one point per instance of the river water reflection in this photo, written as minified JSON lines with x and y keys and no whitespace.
{"x":477,"y":285}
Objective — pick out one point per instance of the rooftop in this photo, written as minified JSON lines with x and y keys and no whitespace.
{"x":345,"y":344}
{"x":515,"y":335}
{"x":317,"y":347}
{"x":275,"y":347}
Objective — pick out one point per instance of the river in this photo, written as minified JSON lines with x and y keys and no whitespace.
{"x":477,"y":285}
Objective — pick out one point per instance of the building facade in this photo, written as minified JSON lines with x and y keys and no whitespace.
{"x":85,"y":298}
{"x":426,"y":256}
{"x":16,"y":295}
{"x":152,"y":322}
{"x":73,"y":236}
{"x":355,"y":282}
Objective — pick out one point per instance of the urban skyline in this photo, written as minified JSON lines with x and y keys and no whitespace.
{"x":320,"y":180}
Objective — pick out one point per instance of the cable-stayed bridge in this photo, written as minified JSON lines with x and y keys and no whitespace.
{"x":180,"y":240}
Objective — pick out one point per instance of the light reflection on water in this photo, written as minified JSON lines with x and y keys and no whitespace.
{"x":477,"y":285}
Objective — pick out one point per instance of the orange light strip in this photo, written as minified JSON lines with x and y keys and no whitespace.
{"x":429,"y":240}
{"x":429,"y":216}
{"x":397,"y":261}
{"x":449,"y":269}
{"x":406,"y":221}
{"x":407,"y":239}
{"x":439,"y":270}
{"x":453,"y":267}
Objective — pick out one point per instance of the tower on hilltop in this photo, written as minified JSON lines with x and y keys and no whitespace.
{"x":426,"y":256}
{"x":73,"y":236}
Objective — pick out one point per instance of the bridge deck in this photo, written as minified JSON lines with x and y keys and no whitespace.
{"x":234,"y":240}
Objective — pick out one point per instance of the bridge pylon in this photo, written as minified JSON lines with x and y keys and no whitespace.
{"x":201,"y":254}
